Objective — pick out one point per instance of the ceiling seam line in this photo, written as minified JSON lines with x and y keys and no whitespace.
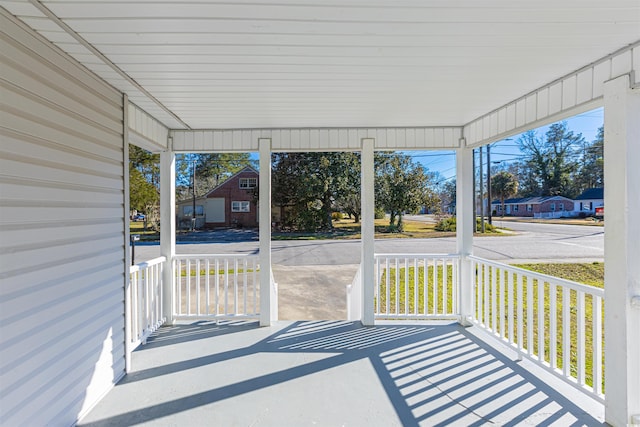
{"x":49,"y":14}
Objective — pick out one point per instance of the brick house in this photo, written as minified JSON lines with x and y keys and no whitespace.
{"x":230,"y":204}
{"x":540,"y":207}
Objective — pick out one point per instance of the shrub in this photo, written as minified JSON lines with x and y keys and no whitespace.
{"x":337,"y":216}
{"x":446,"y":224}
{"x":379,"y":214}
{"x":449,"y":224}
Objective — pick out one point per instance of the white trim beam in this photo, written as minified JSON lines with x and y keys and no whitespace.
{"x":324,"y":139}
{"x":145,"y":131}
{"x":572,"y":94}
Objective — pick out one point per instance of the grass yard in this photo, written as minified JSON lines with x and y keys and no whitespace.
{"x":405,"y":292}
{"x":137,"y":227}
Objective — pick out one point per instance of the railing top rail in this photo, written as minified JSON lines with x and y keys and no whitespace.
{"x":214,"y":256}
{"x":142,"y":265}
{"x":416,"y":255}
{"x":598,"y":292}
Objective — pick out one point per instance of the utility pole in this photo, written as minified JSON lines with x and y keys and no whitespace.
{"x":193,"y":214}
{"x":475,"y":193}
{"x":489,"y":183}
{"x":481,"y":194}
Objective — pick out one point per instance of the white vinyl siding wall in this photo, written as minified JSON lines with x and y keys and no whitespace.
{"x":62,"y":233}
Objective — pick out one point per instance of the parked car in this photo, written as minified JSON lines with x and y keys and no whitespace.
{"x":139,"y":217}
{"x":600,"y":212}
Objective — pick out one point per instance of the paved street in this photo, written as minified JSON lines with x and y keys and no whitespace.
{"x":529,"y":242}
{"x":317,"y":291}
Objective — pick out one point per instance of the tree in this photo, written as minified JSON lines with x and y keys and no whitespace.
{"x":504,"y":185}
{"x":348,"y":193}
{"x":311,"y":185}
{"x":144,"y":179}
{"x":403,"y":186}
{"x":591,"y":168}
{"x":448,"y":194}
{"x":142,"y":193}
{"x":551,"y":160}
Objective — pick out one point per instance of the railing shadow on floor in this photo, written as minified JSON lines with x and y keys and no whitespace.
{"x":432,"y":374}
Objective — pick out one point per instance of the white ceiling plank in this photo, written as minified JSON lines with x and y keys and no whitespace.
{"x":346,"y":63}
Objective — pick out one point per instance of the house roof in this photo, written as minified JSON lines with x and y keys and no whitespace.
{"x":232,"y":177}
{"x":591,"y":194}
{"x":530,"y":200}
{"x":346,"y":63}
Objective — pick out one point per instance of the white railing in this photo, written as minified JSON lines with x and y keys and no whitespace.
{"x":216,"y":286}
{"x":144,"y":300}
{"x":555,"y":322}
{"x":421,"y":286}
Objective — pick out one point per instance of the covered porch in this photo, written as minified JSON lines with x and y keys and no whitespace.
{"x":83,"y":80}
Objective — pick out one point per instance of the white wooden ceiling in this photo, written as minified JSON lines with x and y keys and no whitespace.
{"x":330,"y":63}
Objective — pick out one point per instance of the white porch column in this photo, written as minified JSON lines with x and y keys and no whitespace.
{"x":168,"y":227}
{"x":464,"y":229}
{"x":367,"y":261}
{"x":268,"y":292}
{"x":622,"y":252}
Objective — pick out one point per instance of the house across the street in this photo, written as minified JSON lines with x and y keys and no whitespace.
{"x":538,"y":207}
{"x":230,"y":204}
{"x":589,"y":200}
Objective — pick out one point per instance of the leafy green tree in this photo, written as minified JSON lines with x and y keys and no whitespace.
{"x":403,"y":185}
{"x":348,"y":193}
{"x":504,"y":185}
{"x":142,"y":193}
{"x":144,"y":179}
{"x":311,"y":185}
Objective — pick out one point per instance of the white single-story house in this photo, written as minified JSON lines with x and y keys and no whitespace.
{"x":589,"y":200}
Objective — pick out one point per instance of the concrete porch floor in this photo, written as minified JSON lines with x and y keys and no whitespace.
{"x":336,"y":373}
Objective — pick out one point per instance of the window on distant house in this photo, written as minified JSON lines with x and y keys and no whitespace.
{"x":187,"y":210}
{"x":561,"y":206}
{"x":499,"y":208}
{"x":515,"y":208}
{"x":553,"y":207}
{"x":248,"y":182}
{"x":240,"y":206}
{"x":529,"y":208}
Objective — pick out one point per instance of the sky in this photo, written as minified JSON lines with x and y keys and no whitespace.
{"x":444,"y":162}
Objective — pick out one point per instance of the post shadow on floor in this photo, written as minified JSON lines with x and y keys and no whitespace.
{"x":432,"y":374}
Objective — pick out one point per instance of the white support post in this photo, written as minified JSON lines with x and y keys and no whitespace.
{"x":168,"y":228}
{"x":622,"y":252}
{"x":368,"y":230}
{"x":464,"y":229}
{"x":127,"y":236}
{"x":268,"y":291}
